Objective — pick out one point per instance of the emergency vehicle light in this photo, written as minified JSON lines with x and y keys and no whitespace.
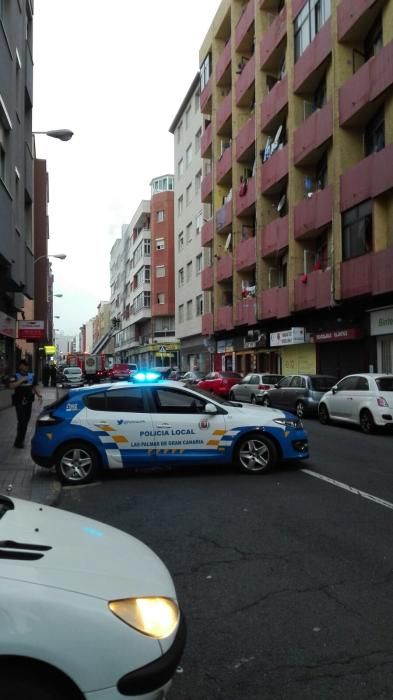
{"x":145,"y":377}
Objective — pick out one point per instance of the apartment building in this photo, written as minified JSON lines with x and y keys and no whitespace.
{"x":299,"y":146}
{"x":190,"y":213}
{"x":142,"y":282}
{"x":16,"y":170}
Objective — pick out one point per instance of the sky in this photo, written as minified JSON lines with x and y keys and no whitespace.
{"x":116,"y":78}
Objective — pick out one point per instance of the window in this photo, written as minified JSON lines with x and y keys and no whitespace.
{"x":309,"y":22}
{"x":188,"y":195}
{"x":130,"y":400}
{"x":373,"y":42}
{"x":180,"y":313}
{"x":180,"y":205}
{"x":198,"y":264}
{"x":179,"y":132}
{"x":96,"y":402}
{"x":197,"y":145}
{"x":189,"y":233}
{"x":160,"y":215}
{"x":189,"y":310}
{"x":374,"y":134}
{"x":188,"y":155}
{"x":147,"y":274}
{"x":198,"y":180}
{"x":198,"y":223}
{"x":205,"y":71}
{"x":171,"y":401}
{"x":188,"y":110}
{"x":2,"y":163}
{"x":180,"y":167}
{"x":146,"y":246}
{"x":161,"y":298}
{"x":357,"y":230}
{"x":199,"y":305}
{"x":180,"y":241}
{"x":160,"y":244}
{"x":160,"y":271}
{"x":321,"y":172}
{"x":180,"y":277}
{"x":189,"y":271}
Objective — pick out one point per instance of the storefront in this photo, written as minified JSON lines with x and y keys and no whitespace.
{"x":342,"y":351}
{"x":195,"y":354}
{"x":296,"y":352}
{"x":224,"y":357}
{"x":381,"y":329}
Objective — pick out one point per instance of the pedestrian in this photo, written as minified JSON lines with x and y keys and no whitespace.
{"x":53,"y":375}
{"x":24,"y":385}
{"x":45,"y":375}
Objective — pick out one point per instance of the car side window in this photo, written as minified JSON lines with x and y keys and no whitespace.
{"x":285,"y":382}
{"x":297,"y":382}
{"x":247,"y":379}
{"x":96,"y":402}
{"x":347,"y":384}
{"x":362,"y":384}
{"x":168,"y":400}
{"x":126,"y":400}
{"x":255,"y":379}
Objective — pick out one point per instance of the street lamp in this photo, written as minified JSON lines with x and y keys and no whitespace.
{"x":59,"y":256}
{"x":62,"y":134}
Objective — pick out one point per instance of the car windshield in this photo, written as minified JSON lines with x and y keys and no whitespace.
{"x":73,"y":370}
{"x":323,"y":383}
{"x":384,"y":383}
{"x":216,"y":399}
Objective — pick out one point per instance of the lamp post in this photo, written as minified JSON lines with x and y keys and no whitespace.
{"x":59,"y":256}
{"x":61,"y":134}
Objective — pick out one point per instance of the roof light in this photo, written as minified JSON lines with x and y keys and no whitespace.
{"x":145,"y":377}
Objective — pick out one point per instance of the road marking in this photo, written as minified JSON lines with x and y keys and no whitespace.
{"x":351,"y":489}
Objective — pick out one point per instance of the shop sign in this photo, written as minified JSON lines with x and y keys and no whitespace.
{"x":7,"y":325}
{"x":342,"y":334}
{"x":50,"y":350}
{"x":294,"y":336}
{"x":31,"y":330}
{"x":381,"y":322}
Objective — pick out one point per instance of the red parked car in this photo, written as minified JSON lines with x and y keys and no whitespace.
{"x":121,"y":372}
{"x":219,"y":383}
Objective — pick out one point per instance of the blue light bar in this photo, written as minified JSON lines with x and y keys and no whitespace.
{"x":145,"y":377}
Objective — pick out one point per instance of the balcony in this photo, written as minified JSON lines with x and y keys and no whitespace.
{"x":206,"y":142}
{"x":207,"y":187}
{"x":245,"y":140}
{"x":207,"y":281}
{"x":275,"y":237}
{"x":222,"y":73}
{"x":315,"y":54}
{"x":246,"y":312}
{"x":274,"y":103}
{"x":312,"y":134}
{"x":274,"y":302}
{"x":245,"y":84}
{"x":382,"y":266}
{"x":205,"y":99}
{"x":224,"y":217}
{"x":350,"y":15}
{"x":244,"y":25}
{"x":224,"y":167}
{"x":311,"y":214}
{"x":246,"y":254}
{"x":207,"y":324}
{"x":356,"y":276}
{"x":246,"y":203}
{"x":224,"y":267}
{"x":224,"y":113}
{"x":369,"y":178}
{"x":272,"y":39}
{"x":207,"y":233}
{"x":366,"y":85}
{"x":274,"y":171}
{"x":314,"y":292}
{"x":224,"y":318}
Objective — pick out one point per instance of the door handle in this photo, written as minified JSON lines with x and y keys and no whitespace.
{"x":349,"y":398}
{"x":164,"y":425}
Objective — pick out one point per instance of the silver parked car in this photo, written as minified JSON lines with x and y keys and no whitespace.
{"x":253,"y":383}
{"x":299,"y":393}
{"x":72,"y":376}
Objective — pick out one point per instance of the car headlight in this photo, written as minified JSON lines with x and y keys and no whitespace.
{"x":289,"y":423}
{"x":155,"y":617}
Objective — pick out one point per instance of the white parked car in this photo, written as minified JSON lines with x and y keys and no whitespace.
{"x":86,"y":611}
{"x":72,"y":376}
{"x":365,"y":399}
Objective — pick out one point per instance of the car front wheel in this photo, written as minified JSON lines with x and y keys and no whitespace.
{"x":76,"y":463}
{"x":323,"y":414}
{"x":367,"y":421}
{"x":253,"y":399}
{"x":256,"y":454}
{"x":300,"y":409}
{"x":266,"y":401}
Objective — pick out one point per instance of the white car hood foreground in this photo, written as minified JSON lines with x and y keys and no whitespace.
{"x":85,"y":557}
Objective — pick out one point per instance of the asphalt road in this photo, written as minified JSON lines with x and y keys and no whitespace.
{"x":285,"y":579}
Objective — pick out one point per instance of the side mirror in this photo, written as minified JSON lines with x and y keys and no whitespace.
{"x":276,"y":386}
{"x":334,"y":390}
{"x":211,"y":408}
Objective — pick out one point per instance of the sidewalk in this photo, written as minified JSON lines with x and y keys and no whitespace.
{"x":19,"y":476}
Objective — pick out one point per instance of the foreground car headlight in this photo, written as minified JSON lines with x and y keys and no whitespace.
{"x":155,"y":617}
{"x":289,"y":423}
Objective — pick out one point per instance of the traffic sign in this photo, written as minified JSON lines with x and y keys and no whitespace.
{"x":162,"y":348}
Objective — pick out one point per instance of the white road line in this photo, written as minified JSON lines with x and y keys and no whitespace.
{"x":351,"y":489}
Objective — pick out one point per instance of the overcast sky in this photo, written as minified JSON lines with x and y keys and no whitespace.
{"x":115,"y":74}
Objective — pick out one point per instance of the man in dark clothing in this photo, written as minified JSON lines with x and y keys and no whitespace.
{"x":24,"y":385}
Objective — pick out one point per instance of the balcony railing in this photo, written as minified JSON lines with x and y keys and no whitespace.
{"x":314,"y":132}
{"x":275,"y":236}
{"x":382,"y":271}
{"x":224,"y":112}
{"x":356,"y":276}
{"x":246,"y":312}
{"x":207,"y":324}
{"x":224,"y":164}
{"x":274,"y":102}
{"x":207,"y":278}
{"x":313,"y":291}
{"x":224,"y":318}
{"x":206,"y":141}
{"x":205,"y":99}
{"x":207,"y":187}
{"x":224,"y":217}
{"x":274,"y":302}
{"x":273,"y":38}
{"x":369,"y":178}
{"x":223,"y":62}
{"x":313,"y":213}
{"x":207,"y":232}
{"x":274,"y":170}
{"x":245,"y":81}
{"x":246,"y":254}
{"x":245,"y":202}
{"x":245,"y":138}
{"x":224,"y":267}
{"x":313,"y":57}
{"x":244,"y":24}
{"x":348,"y":15}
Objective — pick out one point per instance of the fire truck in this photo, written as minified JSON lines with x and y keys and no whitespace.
{"x":93,"y":366}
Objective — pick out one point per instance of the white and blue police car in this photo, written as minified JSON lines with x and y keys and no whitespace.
{"x":150,"y":422}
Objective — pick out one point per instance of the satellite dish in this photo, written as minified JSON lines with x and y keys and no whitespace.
{"x":228,"y":242}
{"x":281,"y":203}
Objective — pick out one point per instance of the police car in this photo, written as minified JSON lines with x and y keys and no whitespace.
{"x":148,"y":422}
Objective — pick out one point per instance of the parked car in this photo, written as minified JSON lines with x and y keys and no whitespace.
{"x":192,"y":377}
{"x":299,"y":393}
{"x":219,"y":383}
{"x":252,"y":384}
{"x":72,"y":376}
{"x":364,"y":399}
{"x":154,"y":423}
{"x":121,"y":371}
{"x":119,"y":628}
